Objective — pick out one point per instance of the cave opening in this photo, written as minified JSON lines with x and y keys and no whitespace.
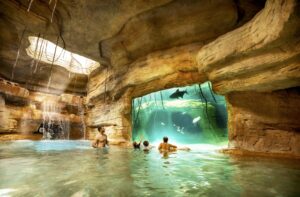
{"x":187,"y":115}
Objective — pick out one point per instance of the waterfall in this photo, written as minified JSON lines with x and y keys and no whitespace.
{"x":55,"y":125}
{"x":81,"y":114}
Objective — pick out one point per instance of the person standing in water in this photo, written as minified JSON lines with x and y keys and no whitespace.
{"x":100,"y":139}
{"x":165,"y":146}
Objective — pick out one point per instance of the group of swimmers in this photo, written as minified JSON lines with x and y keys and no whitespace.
{"x":101,"y":141}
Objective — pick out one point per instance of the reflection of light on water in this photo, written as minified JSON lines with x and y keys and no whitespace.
{"x":5,"y":192}
{"x":194,"y":147}
{"x":60,"y":145}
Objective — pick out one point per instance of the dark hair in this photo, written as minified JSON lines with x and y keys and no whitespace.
{"x":101,"y":129}
{"x":146,"y":143}
{"x":165,"y":139}
{"x":136,"y":145}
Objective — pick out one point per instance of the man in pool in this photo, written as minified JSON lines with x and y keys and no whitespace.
{"x":100,"y":139}
{"x":165,"y":146}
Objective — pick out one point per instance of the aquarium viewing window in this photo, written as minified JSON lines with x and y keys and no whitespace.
{"x":44,"y":51}
{"x":187,"y":115}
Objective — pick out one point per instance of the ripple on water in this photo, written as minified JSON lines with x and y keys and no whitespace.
{"x":72,"y":168}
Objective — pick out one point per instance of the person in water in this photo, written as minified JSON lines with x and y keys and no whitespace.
{"x":165,"y":146}
{"x":146,"y":145}
{"x":136,"y":145}
{"x":100,"y":139}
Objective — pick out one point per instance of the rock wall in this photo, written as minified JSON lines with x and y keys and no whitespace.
{"x":22,"y":113}
{"x":261,"y":56}
{"x":110,"y":92}
{"x":255,"y":66}
{"x":265,"y":122}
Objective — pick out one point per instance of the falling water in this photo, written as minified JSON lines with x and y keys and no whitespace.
{"x":55,"y":125}
{"x":81,"y":114}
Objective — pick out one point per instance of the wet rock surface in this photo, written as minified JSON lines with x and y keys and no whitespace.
{"x":22,"y":112}
{"x":265,"y":122}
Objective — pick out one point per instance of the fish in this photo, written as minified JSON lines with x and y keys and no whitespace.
{"x":195,"y":120}
{"x":178,"y":94}
{"x":162,"y":123}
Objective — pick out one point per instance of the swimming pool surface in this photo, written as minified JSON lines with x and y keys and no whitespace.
{"x":72,"y":168}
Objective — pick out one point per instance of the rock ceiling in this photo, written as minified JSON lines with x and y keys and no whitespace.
{"x":112,"y":32}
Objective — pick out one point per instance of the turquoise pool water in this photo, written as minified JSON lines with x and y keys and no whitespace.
{"x":72,"y":168}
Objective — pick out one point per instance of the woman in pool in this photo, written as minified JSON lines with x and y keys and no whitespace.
{"x":100,"y":139}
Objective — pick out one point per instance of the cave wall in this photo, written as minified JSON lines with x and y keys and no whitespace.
{"x":265,"y":122}
{"x":255,"y":66}
{"x":110,"y":93}
{"x":21,"y":112}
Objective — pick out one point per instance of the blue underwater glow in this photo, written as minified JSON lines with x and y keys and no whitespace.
{"x":191,"y":114}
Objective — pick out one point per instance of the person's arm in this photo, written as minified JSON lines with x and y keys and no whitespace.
{"x":95,"y":143}
{"x":172,"y":146}
{"x":160,"y":146}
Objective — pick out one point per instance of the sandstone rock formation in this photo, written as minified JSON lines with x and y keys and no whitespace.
{"x":22,"y":113}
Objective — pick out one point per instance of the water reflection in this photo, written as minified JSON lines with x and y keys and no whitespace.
{"x":30,"y":169}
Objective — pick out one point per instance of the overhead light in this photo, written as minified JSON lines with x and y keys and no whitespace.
{"x":43,"y":50}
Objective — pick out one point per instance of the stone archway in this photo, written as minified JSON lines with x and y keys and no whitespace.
{"x":262,"y":55}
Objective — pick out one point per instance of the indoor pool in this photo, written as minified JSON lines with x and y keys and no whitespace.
{"x":72,"y":168}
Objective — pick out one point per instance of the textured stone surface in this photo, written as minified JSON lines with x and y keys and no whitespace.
{"x":113,"y":32}
{"x":262,"y":55}
{"x":265,"y":122}
{"x":21,"y":111}
{"x":110,"y":93}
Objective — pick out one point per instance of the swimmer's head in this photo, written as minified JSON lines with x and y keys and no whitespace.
{"x":165,"y":139}
{"x":101,"y":129}
{"x":135,"y":145}
{"x":146,"y":143}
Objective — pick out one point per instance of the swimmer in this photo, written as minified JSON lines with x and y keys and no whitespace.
{"x":136,"y":145}
{"x":147,"y":146}
{"x":165,"y":146}
{"x":100,"y":139}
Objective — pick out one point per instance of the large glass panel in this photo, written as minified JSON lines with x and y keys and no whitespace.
{"x":187,"y":115}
